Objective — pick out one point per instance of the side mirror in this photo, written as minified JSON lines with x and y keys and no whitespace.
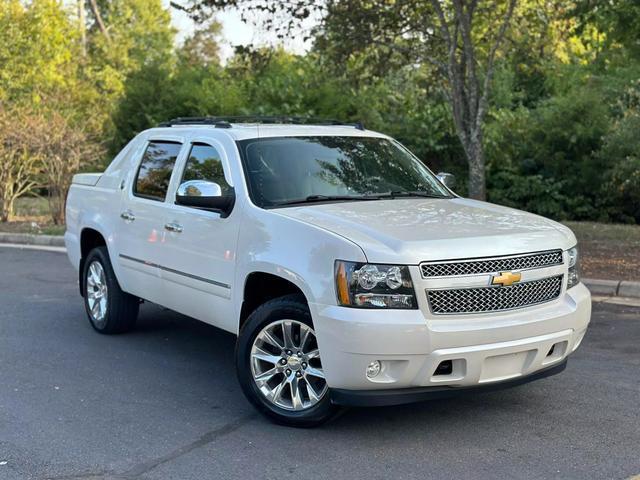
{"x":205,"y":195}
{"x":447,"y":179}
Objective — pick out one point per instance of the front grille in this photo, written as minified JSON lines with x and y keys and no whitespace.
{"x":491,"y":265}
{"x":494,"y":299}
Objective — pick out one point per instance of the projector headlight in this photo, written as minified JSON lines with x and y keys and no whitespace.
{"x":366,"y":285}
{"x":574,"y":267}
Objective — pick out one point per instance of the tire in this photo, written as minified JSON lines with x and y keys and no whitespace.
{"x":109,"y":309}
{"x":311,"y":406}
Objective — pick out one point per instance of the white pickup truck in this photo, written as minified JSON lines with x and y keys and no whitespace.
{"x":349,"y":272}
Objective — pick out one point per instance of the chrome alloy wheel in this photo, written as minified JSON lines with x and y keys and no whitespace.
{"x":97,"y":294}
{"x":285,"y":363}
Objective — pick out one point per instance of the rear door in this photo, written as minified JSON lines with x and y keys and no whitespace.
{"x":143,"y":208}
{"x":199,"y":251}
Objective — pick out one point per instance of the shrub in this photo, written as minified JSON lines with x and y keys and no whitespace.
{"x":620,"y":192}
{"x":537,"y":194}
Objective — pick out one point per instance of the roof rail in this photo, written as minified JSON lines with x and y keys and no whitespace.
{"x":217,"y":122}
{"x":225,"y":122}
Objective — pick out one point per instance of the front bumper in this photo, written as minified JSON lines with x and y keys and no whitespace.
{"x":385,"y":398}
{"x":484,"y":349}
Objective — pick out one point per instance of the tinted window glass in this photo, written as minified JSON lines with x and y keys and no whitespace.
{"x":288,"y":169}
{"x":204,"y":163}
{"x":155,"y":170}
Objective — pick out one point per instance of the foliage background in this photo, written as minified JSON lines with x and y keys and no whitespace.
{"x":562,"y":135}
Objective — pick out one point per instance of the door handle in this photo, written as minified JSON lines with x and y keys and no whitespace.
{"x":173,"y":227}
{"x":127,"y":216}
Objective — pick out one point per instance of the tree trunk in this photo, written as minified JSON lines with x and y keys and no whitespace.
{"x":82,"y":25}
{"x":474,"y":151}
{"x":475,"y":159}
{"x":6,"y":210}
{"x":57,"y":203}
{"x":98,"y":17}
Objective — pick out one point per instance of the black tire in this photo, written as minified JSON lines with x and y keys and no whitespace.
{"x":291,"y":307}
{"x":121,"y":307}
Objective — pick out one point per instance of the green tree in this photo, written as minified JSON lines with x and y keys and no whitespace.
{"x":620,"y":152}
{"x":146,"y":98}
{"x":37,"y":50}
{"x":202,"y":48}
{"x":123,"y":37}
{"x":130,"y":50}
{"x":460,"y":38}
{"x":618,"y":20}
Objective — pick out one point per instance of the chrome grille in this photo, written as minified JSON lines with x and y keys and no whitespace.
{"x":491,"y":265}
{"x":494,"y":299}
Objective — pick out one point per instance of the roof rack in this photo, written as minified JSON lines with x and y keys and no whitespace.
{"x":225,"y":122}
{"x":216,"y":121}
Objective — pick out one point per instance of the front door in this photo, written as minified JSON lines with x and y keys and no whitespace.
{"x":199,"y":251}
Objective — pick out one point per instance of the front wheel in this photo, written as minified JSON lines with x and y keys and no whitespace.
{"x":279,"y":367}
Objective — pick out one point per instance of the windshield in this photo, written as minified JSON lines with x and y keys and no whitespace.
{"x":293,"y":170}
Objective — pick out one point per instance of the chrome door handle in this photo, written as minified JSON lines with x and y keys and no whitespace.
{"x":127,"y":216}
{"x":173,"y":227}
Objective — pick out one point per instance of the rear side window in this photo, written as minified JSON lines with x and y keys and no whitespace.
{"x":204,"y":163}
{"x":155,"y":170}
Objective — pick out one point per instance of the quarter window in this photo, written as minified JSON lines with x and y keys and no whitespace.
{"x":204,"y":163}
{"x":155,"y":170}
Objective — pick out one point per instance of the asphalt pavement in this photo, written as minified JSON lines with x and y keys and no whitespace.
{"x":163,"y":402}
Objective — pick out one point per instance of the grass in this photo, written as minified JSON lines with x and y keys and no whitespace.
{"x":31,"y":207}
{"x":609,"y":251}
{"x":32,"y":216}
{"x":586,"y":232}
{"x":33,"y":228}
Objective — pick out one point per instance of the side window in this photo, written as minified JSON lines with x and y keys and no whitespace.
{"x":204,"y":163}
{"x":155,"y":170}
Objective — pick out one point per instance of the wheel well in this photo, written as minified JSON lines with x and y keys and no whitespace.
{"x":261,"y":287}
{"x":89,"y":239}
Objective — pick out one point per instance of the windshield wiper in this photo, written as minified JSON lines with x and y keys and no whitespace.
{"x":326,"y":198}
{"x":411,"y":193}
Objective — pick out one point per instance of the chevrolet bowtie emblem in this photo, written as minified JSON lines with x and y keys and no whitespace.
{"x":506,"y":279}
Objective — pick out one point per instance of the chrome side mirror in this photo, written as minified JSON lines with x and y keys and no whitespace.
{"x":205,"y":195}
{"x":199,"y":188}
{"x":447,"y":179}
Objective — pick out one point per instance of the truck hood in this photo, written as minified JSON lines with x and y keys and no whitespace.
{"x":409,"y":231}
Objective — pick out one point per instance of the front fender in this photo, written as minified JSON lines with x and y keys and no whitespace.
{"x":301,"y":253}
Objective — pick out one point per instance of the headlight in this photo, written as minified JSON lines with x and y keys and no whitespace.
{"x":574,"y":267}
{"x":366,"y":285}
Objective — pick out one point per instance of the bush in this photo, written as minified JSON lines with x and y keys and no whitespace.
{"x":537,"y":194}
{"x":624,"y":188}
{"x":543,"y":159}
{"x":621,"y":153}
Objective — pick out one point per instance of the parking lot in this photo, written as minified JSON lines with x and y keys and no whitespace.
{"x":163,"y":403}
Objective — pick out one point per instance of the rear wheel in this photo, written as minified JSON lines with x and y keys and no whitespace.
{"x":279,"y":366}
{"x":110,"y":310}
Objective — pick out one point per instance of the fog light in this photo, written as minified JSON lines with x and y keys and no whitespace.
{"x":373,"y":369}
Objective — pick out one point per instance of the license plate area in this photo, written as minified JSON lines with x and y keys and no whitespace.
{"x":504,"y":367}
